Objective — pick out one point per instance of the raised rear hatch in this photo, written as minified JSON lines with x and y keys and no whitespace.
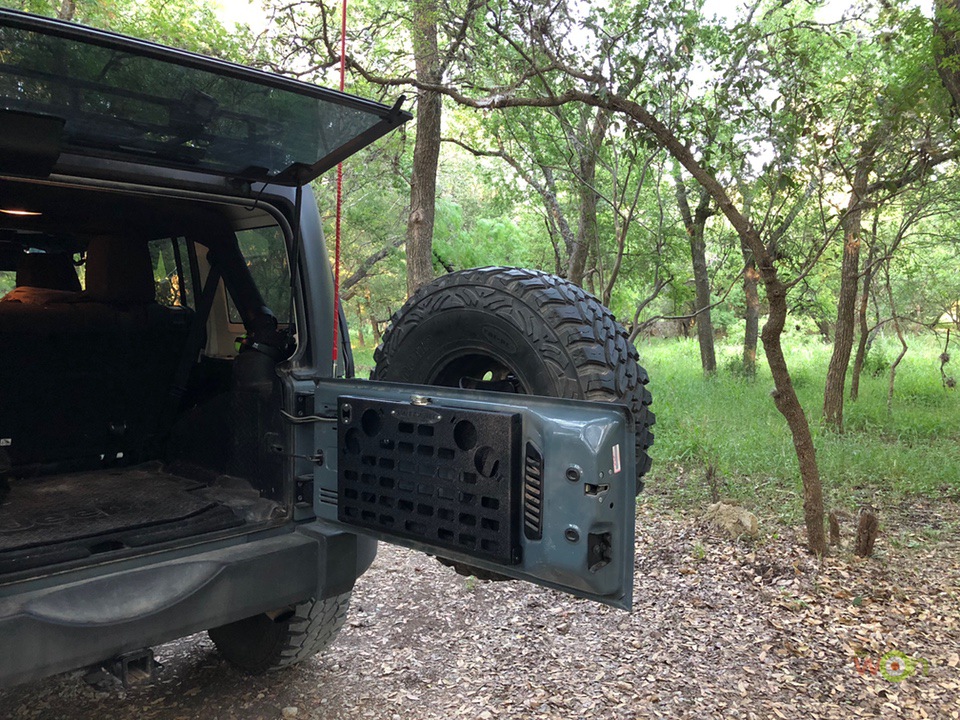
{"x":71,"y":89}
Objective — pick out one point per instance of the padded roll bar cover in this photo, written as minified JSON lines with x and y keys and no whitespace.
{"x":259,"y":322}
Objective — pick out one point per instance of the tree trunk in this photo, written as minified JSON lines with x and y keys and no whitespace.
{"x":68,"y":10}
{"x":587,"y":235}
{"x":752,"y":316}
{"x":784,"y":396}
{"x":695,"y":223}
{"x":426,"y":151}
{"x":787,"y":402}
{"x":577,"y":265}
{"x":861,"y":355}
{"x":751,"y":294}
{"x":947,"y":45}
{"x":374,"y":325}
{"x":834,"y":528}
{"x":361,"y":340}
{"x":867,"y":529}
{"x":849,"y":279}
{"x":903,"y":345}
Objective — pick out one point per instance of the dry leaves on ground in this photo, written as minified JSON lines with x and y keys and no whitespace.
{"x":720,"y":628}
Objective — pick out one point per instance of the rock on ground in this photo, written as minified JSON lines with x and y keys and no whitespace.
{"x":733,"y":520}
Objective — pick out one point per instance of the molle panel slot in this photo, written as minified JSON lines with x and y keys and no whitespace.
{"x":451,"y":478}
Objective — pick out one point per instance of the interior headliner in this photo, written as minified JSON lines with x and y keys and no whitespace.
{"x":64,"y":209}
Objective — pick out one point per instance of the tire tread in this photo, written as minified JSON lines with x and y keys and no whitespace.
{"x":277,"y":645}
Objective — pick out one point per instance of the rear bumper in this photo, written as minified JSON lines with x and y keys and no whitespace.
{"x":90,"y":616}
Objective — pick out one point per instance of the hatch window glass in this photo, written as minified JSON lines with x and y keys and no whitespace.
{"x":119,"y":97}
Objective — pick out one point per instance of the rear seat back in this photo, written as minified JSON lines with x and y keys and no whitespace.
{"x":53,"y":271}
{"x":83,"y":375}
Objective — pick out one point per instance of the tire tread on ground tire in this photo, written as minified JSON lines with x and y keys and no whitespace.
{"x":263,"y":643}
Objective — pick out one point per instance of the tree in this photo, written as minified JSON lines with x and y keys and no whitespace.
{"x":562,"y":76}
{"x":426,"y":151}
{"x":379,"y":59}
{"x":188,"y":24}
{"x":896,"y":133}
{"x":695,"y":222}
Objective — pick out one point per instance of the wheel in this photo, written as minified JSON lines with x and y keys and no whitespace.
{"x":522,"y":331}
{"x":270,"y":642}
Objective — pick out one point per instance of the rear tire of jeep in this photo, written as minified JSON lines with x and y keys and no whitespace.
{"x":506,"y":328}
{"x":262,"y":643}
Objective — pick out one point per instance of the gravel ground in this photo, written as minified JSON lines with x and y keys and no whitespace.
{"x":720,"y":628}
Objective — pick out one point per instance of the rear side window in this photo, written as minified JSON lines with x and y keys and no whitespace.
{"x":8,"y":281}
{"x":172,"y":272}
{"x":266,"y":254}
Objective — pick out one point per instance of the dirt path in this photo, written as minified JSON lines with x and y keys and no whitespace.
{"x":720,"y":629}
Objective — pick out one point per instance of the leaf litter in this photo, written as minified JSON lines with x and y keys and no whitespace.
{"x":720,"y":629}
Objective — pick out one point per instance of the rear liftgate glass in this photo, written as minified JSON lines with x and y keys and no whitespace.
{"x":536,"y":489}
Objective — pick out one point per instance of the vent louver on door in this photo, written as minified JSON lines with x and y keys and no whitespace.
{"x":533,"y":494}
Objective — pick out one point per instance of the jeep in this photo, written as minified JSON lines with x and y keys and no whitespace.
{"x":182,"y":450}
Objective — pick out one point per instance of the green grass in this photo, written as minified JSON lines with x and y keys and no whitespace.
{"x":731,"y":423}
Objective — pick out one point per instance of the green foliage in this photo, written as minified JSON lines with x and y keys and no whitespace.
{"x":188,"y":24}
{"x":8,"y":281}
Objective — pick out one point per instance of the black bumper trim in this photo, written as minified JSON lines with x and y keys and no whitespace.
{"x":74,"y":624}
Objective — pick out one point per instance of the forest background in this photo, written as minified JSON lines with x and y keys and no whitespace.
{"x":780,"y":175}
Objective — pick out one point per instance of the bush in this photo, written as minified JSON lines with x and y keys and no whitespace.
{"x":877,"y":361}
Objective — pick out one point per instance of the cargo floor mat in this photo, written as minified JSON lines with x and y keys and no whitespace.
{"x":112,"y":508}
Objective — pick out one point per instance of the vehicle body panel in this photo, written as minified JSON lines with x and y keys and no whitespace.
{"x":587,"y":480}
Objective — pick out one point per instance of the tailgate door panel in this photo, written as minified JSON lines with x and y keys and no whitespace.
{"x":537,"y":489}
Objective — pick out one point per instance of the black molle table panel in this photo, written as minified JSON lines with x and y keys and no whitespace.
{"x":445,"y":477}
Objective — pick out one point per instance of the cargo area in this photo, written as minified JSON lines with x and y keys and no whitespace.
{"x":128,"y":419}
{"x":51,"y":519}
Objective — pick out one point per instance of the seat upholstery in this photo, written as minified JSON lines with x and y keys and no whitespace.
{"x":53,"y":271}
{"x":119,"y":272}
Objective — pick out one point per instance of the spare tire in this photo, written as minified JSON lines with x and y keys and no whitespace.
{"x":524,"y":331}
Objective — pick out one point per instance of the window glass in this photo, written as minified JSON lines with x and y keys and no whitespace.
{"x":151,"y":104}
{"x":66,"y":264}
{"x":266,"y":254}
{"x":171,"y":272}
{"x":8,"y":281}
